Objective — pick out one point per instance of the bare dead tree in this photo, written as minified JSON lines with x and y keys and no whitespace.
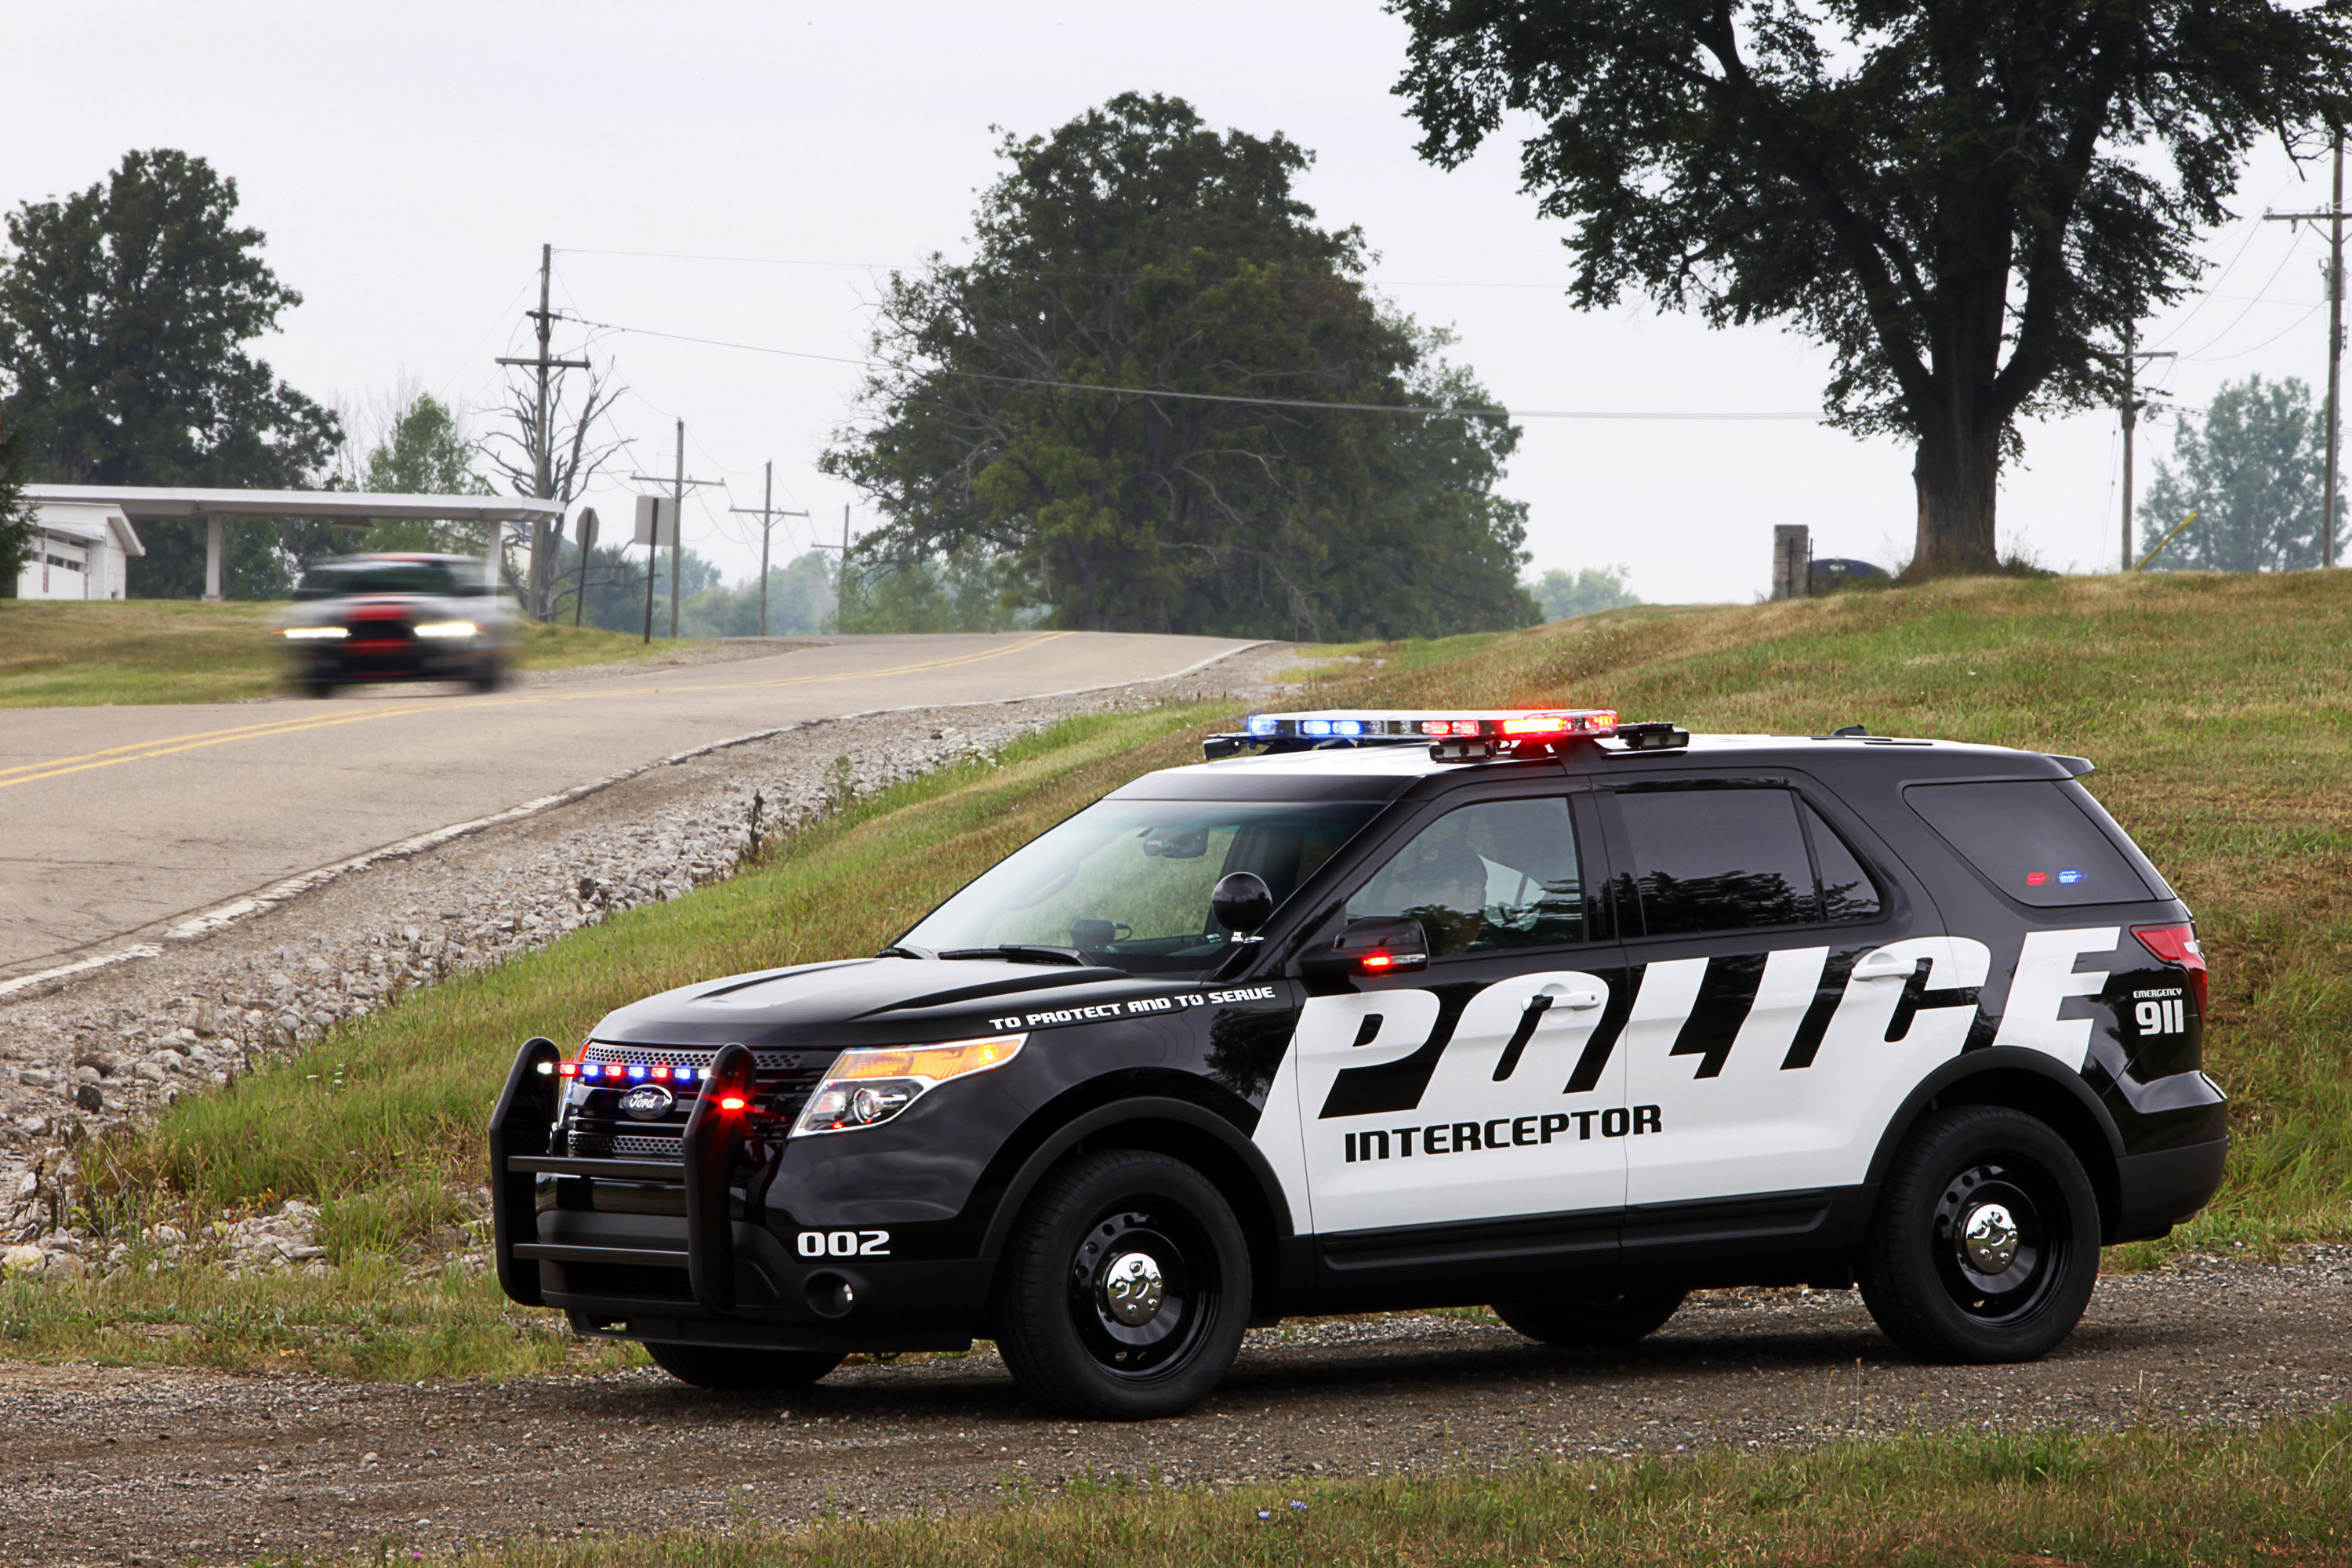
{"x":577,"y":455}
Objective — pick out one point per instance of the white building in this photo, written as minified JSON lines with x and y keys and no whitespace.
{"x":80,"y":550}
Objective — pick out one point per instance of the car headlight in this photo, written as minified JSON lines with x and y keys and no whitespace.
{"x":315,"y":634}
{"x":448,"y":630}
{"x":867,"y":1088}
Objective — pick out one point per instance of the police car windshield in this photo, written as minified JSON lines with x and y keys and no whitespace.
{"x":339,"y":579}
{"x":1127,"y":883}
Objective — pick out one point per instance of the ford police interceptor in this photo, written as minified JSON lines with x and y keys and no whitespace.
{"x":1382,"y":1010}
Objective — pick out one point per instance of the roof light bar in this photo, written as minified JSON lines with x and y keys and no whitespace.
{"x":1502,"y":724}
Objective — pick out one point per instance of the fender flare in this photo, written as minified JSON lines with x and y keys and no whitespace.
{"x":1143,"y":1107}
{"x":1976,"y":1064}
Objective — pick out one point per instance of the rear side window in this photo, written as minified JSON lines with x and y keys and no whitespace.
{"x":1718,"y":860}
{"x":1726,"y":859}
{"x":2033,"y":839}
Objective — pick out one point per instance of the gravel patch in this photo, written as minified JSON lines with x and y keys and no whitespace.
{"x":205,"y":1467}
{"x":122,"y":1043}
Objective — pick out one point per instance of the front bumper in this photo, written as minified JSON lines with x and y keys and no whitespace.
{"x":668,"y":1253}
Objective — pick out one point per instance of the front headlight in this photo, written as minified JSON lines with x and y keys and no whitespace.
{"x":448,"y":630}
{"x":315,"y":634}
{"x":867,"y":1088}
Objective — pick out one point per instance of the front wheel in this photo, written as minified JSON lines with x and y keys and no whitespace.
{"x":742,"y":1371}
{"x":1985,"y":1246}
{"x":1617,"y":1318}
{"x":1125,"y":1288}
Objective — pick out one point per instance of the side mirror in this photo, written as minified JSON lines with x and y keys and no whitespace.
{"x":1241,"y":903}
{"x":1377,"y":944}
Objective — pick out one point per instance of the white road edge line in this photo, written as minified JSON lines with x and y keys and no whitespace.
{"x":220,"y":916}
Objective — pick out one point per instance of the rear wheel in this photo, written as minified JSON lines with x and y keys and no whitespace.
{"x":1616,"y":1319}
{"x":1125,"y":1288}
{"x":1985,"y":1247}
{"x":750,"y":1371}
{"x":316,"y":686}
{"x":489,"y":676}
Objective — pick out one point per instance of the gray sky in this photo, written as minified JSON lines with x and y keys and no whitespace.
{"x":406,"y":161}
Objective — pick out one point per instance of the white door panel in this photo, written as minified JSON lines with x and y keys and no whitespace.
{"x":1763,"y":1126}
{"x":1492,"y":1134}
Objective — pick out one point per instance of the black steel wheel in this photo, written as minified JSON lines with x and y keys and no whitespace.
{"x":1985,"y":1246}
{"x":1619,"y":1317}
{"x":1125,"y":1288}
{"x":728,"y":1369}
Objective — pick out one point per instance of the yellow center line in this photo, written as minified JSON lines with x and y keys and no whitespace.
{"x":165,"y":746}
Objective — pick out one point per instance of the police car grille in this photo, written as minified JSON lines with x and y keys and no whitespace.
{"x":695,"y":1057}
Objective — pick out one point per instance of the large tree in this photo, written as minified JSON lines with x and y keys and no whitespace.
{"x":1030,"y":411}
{"x":16,"y":516}
{"x":422,"y":449}
{"x":2250,"y":468}
{"x":1969,"y":201}
{"x":125,"y":309}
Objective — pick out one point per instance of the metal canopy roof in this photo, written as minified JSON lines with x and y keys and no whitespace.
{"x":150,"y":501}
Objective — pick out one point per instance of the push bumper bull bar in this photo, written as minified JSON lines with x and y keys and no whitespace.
{"x":722,"y":1254}
{"x":522,"y":1132}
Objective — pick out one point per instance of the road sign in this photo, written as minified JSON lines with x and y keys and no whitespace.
{"x":657,"y":521}
{"x":584,"y":526}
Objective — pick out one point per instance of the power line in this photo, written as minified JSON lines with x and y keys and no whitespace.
{"x":1059,"y":272}
{"x":1148,"y":393}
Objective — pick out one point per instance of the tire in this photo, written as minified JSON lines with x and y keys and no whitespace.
{"x":490,"y":677}
{"x":1072,"y":1342}
{"x":742,"y":1371}
{"x":1973,"y":1187}
{"x":1617,"y":1318}
{"x":317,"y":686}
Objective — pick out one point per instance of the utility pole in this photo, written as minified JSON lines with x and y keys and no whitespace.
{"x":767,"y":513}
{"x":677,"y":483}
{"x":2131,"y":407}
{"x":2330,"y":485}
{"x":543,"y":535}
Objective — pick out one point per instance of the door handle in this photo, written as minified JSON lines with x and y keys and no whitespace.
{"x":1578,"y":1000}
{"x":1886,"y":965}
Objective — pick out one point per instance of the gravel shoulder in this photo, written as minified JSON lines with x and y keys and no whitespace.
{"x":101,"y":1466}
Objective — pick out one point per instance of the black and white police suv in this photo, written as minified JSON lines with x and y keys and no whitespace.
{"x":1379,"y":1010}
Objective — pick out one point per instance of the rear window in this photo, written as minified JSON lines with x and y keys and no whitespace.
{"x":2037,"y":840}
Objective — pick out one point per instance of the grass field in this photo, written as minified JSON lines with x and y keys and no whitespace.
{"x":2054,"y":1498}
{"x":2216,"y":706}
{"x":72,"y":655}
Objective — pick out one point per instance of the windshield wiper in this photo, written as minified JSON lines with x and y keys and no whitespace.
{"x":906,"y":950}
{"x":1020,"y":951}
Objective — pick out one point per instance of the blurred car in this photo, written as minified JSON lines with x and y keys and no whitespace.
{"x":398,"y":617}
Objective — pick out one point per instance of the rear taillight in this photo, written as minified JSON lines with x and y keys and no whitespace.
{"x":2176,"y":945}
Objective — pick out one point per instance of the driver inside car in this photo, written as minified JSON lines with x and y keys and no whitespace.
{"x":1442,"y":886}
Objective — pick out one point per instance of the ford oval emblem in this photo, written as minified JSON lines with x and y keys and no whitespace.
{"x":648,"y":1102}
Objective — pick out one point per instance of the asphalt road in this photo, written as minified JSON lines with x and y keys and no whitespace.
{"x":105,"y":1466}
{"x":117,"y":822}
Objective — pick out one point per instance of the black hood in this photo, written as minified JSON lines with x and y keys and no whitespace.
{"x":866,"y":1002}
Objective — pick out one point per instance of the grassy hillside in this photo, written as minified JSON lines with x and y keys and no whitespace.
{"x":2215,"y":707}
{"x":56,"y":654}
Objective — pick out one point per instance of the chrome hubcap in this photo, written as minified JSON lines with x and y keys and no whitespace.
{"x":1989,"y":1236}
{"x":1132,"y":1288}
